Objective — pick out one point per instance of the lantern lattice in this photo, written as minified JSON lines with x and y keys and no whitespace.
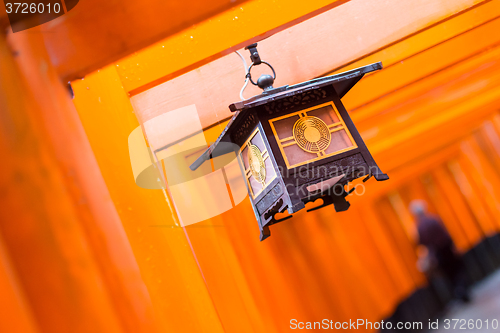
{"x":297,"y":144}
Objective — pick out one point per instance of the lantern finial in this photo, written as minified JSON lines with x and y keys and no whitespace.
{"x":265,"y":81}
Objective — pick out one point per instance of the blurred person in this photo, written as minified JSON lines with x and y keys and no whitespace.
{"x":437,"y":250}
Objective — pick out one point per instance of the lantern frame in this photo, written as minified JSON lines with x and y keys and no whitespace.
{"x":296,"y":184}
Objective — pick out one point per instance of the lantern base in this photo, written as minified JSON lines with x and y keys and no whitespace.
{"x":381,"y":177}
{"x":264,"y":233}
{"x":329,"y":198}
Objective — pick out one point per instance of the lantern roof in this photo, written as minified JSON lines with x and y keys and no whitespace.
{"x":342,"y":83}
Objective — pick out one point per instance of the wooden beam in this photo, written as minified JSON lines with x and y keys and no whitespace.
{"x":408,"y":171}
{"x":419,"y":146}
{"x":403,"y":283}
{"x":292,"y":60}
{"x":96,"y":33}
{"x":405,"y":117}
{"x":170,"y":268}
{"x":398,"y":235}
{"x":408,"y":114}
{"x":40,"y":222}
{"x":232,"y":269}
{"x":451,"y":80}
{"x":100,"y":221}
{"x":474,"y":198}
{"x":251,"y":22}
{"x":446,"y":211}
{"x":17,"y":316}
{"x":484,"y":176}
{"x":401,"y":134}
{"x":465,"y":220}
{"x":425,"y":64}
{"x":424,"y":39}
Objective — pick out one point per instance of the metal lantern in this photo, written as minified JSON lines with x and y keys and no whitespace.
{"x":297,"y":144}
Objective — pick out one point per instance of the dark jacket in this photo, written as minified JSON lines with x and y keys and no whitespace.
{"x":434,"y":236}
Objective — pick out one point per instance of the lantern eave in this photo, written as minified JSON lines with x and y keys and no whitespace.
{"x":342,"y":83}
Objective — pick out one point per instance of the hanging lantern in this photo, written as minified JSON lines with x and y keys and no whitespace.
{"x":297,"y":144}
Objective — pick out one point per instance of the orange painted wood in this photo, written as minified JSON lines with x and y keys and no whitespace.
{"x":361,"y":288}
{"x":301,"y":266}
{"x":321,"y":226}
{"x":95,"y":33}
{"x":495,"y":120}
{"x":414,"y":44}
{"x":446,"y":91}
{"x":339,"y":253}
{"x":248,"y":255}
{"x":402,"y":281}
{"x":453,"y":79}
{"x":368,"y":262}
{"x":16,"y":316}
{"x":99,"y":219}
{"x":483,"y":103}
{"x":483,"y":174}
{"x":318,"y":263}
{"x":167,"y":264}
{"x":167,"y":100}
{"x":222,"y":276}
{"x":412,"y":152}
{"x":242,"y":25}
{"x":411,"y":170}
{"x":40,"y":223}
{"x":446,"y":212}
{"x":464,"y":217}
{"x":269,"y":271}
{"x":402,"y":211}
{"x":419,"y":67}
{"x":292,"y":61}
{"x":452,"y":87}
{"x":396,"y":230}
{"x":474,"y":199}
{"x":414,"y":189}
{"x":489,"y":140}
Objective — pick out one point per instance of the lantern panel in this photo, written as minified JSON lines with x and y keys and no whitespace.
{"x":312,"y":134}
{"x":244,"y":157}
{"x":258,"y":167}
{"x":325,"y":113}
{"x":340,"y":142}
{"x":295,"y":156}
{"x":284,"y":127}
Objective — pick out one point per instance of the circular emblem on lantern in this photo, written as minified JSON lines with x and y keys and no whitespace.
{"x":256,"y":163}
{"x":311,"y":134}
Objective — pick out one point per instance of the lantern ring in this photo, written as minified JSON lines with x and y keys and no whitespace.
{"x":262,"y":62}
